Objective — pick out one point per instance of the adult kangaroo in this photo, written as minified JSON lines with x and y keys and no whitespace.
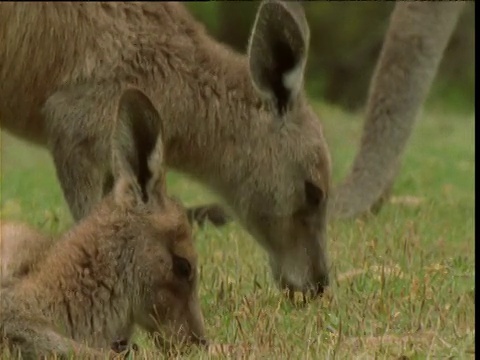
{"x":239,"y":124}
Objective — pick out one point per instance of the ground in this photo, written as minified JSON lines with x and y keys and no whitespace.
{"x":403,"y":281}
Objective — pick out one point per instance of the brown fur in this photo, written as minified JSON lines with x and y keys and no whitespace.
{"x":130,"y":261}
{"x":239,"y":124}
{"x":21,"y":248}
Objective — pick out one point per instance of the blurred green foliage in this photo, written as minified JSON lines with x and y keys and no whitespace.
{"x":346,"y":38}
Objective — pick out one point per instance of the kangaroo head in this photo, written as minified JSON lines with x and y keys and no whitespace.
{"x":165,"y":259}
{"x":283,"y":199}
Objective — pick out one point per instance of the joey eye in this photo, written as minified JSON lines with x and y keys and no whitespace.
{"x":181,"y":267}
{"x":313,"y":194}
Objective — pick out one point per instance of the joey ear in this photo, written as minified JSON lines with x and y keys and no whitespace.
{"x":137,"y":149}
{"x":277,"y":50}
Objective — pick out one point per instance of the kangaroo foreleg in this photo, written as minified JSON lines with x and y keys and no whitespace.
{"x":79,"y":122}
{"x":211,"y":212}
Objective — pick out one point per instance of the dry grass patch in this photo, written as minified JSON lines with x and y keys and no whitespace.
{"x":403,"y":282}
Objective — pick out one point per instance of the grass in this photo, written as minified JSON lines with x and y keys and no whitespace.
{"x":403,"y":281}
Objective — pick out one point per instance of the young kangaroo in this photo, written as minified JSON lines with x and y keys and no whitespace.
{"x":130,"y":261}
{"x":239,"y":124}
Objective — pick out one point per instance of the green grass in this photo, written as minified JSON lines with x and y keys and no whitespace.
{"x":403,"y":281}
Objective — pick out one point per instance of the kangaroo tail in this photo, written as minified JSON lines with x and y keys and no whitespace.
{"x":414,"y":44}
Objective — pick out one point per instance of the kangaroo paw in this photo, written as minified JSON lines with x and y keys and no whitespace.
{"x":211,"y":212}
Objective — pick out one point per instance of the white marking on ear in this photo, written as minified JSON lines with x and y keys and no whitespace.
{"x":293,"y":79}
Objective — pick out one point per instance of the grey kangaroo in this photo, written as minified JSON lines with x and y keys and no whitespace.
{"x":238,"y":124}
{"x":130,"y":261}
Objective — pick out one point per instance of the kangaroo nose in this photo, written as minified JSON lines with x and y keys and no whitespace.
{"x":320,"y":285}
{"x":314,"y":290}
{"x":204,"y":342}
{"x":200,"y":341}
{"x":319,"y":289}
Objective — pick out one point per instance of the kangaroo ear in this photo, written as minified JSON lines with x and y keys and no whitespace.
{"x":137,"y":148}
{"x":277,"y":51}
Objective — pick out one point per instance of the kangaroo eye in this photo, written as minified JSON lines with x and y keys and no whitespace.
{"x":181,"y":267}
{"x":314,"y":195}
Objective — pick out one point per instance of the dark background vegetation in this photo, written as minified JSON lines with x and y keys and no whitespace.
{"x":346,"y":38}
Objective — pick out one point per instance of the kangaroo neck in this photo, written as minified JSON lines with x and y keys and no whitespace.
{"x":217,"y":124}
